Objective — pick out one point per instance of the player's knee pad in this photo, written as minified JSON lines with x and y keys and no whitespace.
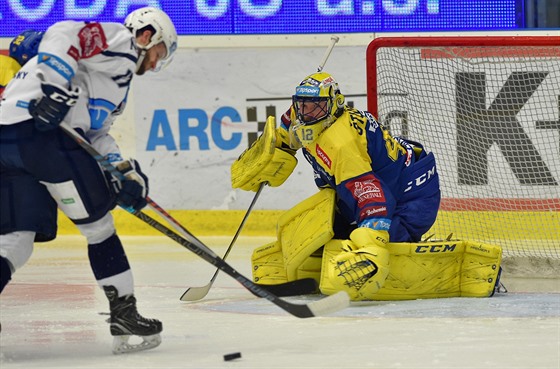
{"x":17,"y":248}
{"x":361,"y":273}
{"x":98,"y":231}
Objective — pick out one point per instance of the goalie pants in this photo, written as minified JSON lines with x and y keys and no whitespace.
{"x":43,"y":171}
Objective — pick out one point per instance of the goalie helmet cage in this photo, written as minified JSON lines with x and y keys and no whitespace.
{"x":488,"y":107}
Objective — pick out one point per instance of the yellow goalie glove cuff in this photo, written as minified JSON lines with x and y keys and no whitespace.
{"x":262,"y":162}
{"x":363,"y":237}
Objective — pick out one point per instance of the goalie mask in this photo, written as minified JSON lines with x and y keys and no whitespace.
{"x":163,"y":31}
{"x":316,"y":104}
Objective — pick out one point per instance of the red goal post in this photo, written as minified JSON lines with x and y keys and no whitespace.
{"x":489,"y":108}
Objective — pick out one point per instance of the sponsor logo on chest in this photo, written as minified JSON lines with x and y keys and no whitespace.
{"x":323,"y":156}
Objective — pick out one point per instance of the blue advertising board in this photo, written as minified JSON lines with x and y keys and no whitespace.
{"x":242,"y":17}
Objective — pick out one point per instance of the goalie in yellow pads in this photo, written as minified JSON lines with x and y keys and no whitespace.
{"x":374,"y":188}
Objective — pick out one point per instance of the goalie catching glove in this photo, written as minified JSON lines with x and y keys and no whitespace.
{"x":132,"y":191}
{"x":262,"y":162}
{"x":358,"y":266}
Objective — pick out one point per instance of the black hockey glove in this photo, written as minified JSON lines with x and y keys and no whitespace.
{"x":132,"y":191}
{"x":51,"y":109}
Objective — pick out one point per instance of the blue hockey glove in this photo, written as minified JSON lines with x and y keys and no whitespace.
{"x":51,"y":109}
{"x":132,"y":191}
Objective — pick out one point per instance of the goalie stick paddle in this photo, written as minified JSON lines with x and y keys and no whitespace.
{"x":303,"y":286}
{"x":198,"y":293}
{"x":320,"y":307}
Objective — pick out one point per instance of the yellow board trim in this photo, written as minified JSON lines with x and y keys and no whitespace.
{"x":498,"y":225}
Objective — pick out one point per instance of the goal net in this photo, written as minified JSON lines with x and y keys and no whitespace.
{"x":489,"y":109}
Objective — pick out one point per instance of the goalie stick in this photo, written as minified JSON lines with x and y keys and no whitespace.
{"x":198,"y":293}
{"x":320,"y":307}
{"x":334,"y":40}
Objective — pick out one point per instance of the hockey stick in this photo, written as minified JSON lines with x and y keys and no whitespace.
{"x":198,"y":293}
{"x":320,"y":307}
{"x":334,"y":40}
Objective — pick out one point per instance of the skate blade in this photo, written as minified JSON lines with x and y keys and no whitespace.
{"x":122,"y":346}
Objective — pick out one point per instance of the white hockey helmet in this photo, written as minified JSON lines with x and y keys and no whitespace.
{"x":163,"y":28}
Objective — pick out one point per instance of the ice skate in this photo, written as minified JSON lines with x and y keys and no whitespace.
{"x":126,"y":322}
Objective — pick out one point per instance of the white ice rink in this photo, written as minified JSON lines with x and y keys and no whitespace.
{"x":50,"y":319}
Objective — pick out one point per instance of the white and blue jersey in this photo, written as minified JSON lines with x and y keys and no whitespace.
{"x":100,"y":58}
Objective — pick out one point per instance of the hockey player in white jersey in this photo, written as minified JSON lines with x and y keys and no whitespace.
{"x":81,"y":75}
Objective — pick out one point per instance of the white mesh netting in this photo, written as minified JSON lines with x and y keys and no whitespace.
{"x":491,"y":116}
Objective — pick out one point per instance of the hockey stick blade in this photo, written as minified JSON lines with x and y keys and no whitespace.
{"x":196,"y":293}
{"x":329,"y":305}
{"x":324,"y":306}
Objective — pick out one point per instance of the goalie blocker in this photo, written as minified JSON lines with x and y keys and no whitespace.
{"x":431,"y":269}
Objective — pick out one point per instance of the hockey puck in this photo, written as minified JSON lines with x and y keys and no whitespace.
{"x":229,"y":357}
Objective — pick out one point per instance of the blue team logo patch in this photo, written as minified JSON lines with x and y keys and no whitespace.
{"x":99,"y":111}
{"x":307,"y":91}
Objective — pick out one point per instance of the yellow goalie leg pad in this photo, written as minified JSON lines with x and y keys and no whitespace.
{"x":262,"y":162}
{"x":440,"y":269}
{"x":304,"y":229}
{"x":301,"y":231}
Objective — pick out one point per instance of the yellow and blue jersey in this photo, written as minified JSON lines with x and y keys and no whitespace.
{"x":376,"y":176}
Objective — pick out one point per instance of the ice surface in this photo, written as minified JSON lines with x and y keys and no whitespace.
{"x":50,"y":316}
